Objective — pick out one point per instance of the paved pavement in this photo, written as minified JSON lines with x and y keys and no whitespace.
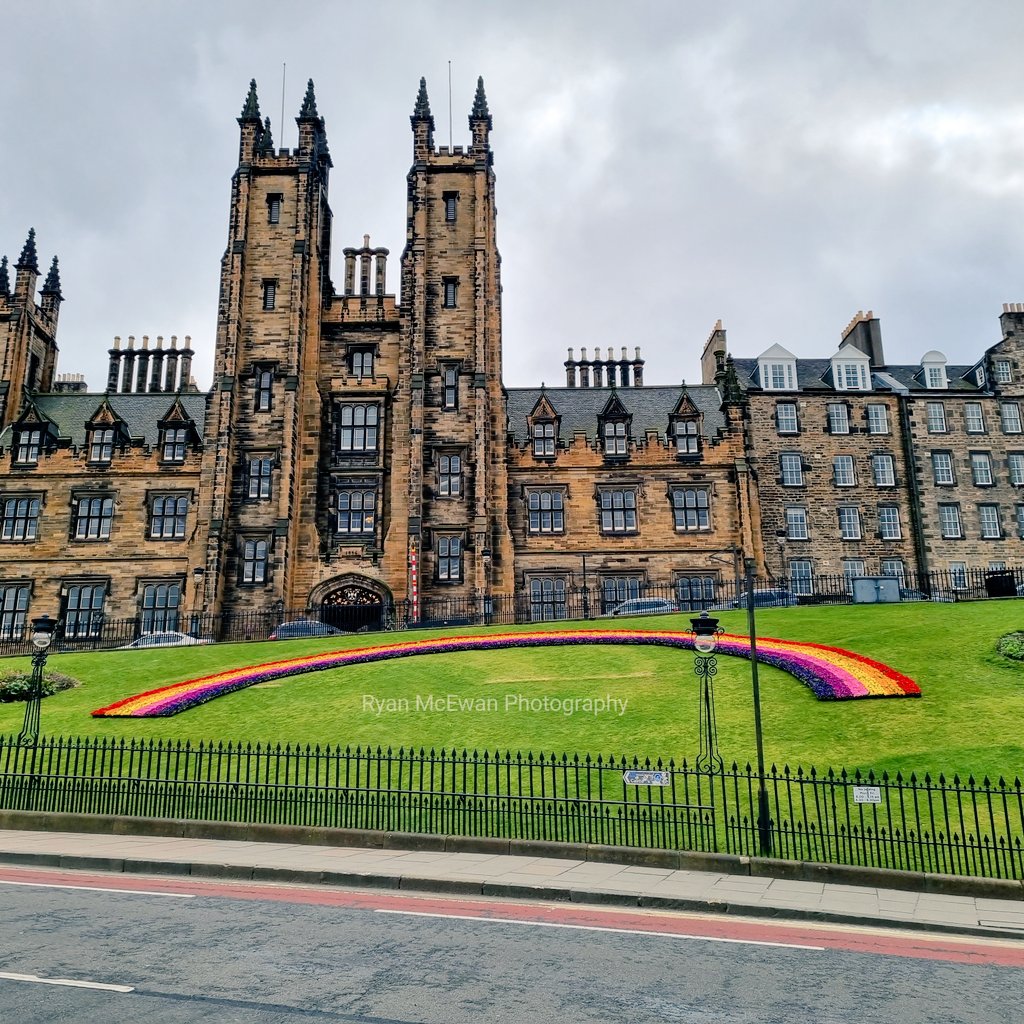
{"x":522,"y":877}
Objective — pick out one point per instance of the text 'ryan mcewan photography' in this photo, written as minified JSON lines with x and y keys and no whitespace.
{"x":508,"y":703}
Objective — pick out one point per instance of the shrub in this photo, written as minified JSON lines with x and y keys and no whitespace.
{"x":15,"y":686}
{"x":1012,"y":645}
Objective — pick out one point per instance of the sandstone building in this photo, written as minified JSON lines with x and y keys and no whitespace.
{"x":357,"y":446}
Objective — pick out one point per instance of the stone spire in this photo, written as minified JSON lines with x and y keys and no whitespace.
{"x":251,"y":109}
{"x":421,"y":112}
{"x":422,"y":126}
{"x":266,"y":143}
{"x":5,"y":280}
{"x":480,"y":103}
{"x":52,"y":284}
{"x":28,"y":260}
{"x":309,"y":102}
{"x":480,"y":123}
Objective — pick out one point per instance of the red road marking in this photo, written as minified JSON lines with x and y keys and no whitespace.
{"x":1007,"y":952}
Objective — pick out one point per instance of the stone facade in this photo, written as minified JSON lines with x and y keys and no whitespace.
{"x":358,"y":448}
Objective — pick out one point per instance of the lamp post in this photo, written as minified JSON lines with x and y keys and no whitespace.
{"x":198,"y":575}
{"x":705,"y":643}
{"x":764,"y":830}
{"x":42,"y":635}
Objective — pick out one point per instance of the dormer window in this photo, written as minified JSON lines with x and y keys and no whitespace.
{"x":27,"y":445}
{"x":544,"y":438}
{"x":615,"y":437}
{"x":852,"y":376}
{"x":101,"y":444}
{"x":687,"y":437}
{"x":933,"y":370}
{"x":173,"y":441}
{"x":777,"y":369}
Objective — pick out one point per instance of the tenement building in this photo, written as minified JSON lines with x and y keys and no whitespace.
{"x":865,"y":467}
{"x":357,"y":447}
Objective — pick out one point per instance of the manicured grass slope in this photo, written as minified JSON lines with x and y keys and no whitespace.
{"x":968,"y":721}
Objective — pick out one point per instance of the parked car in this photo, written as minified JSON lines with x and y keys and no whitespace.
{"x":165,"y":639}
{"x":304,"y":627}
{"x":774,"y":598}
{"x":645,"y":606}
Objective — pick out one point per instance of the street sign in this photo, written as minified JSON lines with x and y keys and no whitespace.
{"x":867,"y":794}
{"x":639,"y":778}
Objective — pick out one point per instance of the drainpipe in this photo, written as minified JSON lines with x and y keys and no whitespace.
{"x":912,"y":488}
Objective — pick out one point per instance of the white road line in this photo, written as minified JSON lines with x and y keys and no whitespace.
{"x":67,"y":982}
{"x":97,"y":888}
{"x":601,"y":928}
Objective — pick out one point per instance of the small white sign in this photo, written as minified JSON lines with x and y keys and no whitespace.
{"x":867,"y":794}
{"x":638,"y":778}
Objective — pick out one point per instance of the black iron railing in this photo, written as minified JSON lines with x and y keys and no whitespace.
{"x":598,"y":601}
{"x":931,"y":825}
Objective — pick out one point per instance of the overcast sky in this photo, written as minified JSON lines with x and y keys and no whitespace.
{"x":659,"y":165}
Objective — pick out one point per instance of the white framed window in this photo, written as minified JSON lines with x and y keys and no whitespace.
{"x":101,"y":444}
{"x":889,"y":522}
{"x":449,"y":559}
{"x":259,"y":476}
{"x":785,"y":418}
{"x":981,"y":469}
{"x":893,"y":567}
{"x":936,"y":417}
{"x":936,"y":376}
{"x":354,"y":510}
{"x":356,"y":428}
{"x":546,"y":511}
{"x":949,"y":522}
{"x":615,"y":438}
{"x":618,"y":511}
{"x":974,"y":418}
{"x":849,"y":522}
{"x":791,"y":467}
{"x":958,"y":575}
{"x":988,"y":516}
{"x":1015,"y":464}
{"x":19,"y":518}
{"x":851,"y":376}
{"x":547,"y":598}
{"x":173,"y":441}
{"x":796,"y":522}
{"x":842,"y":471}
{"x":1010,"y":415}
{"x":13,"y":610}
{"x":687,"y":437}
{"x":838,"y":418}
{"x":1002,"y":371}
{"x":92,"y":517}
{"x":167,"y":516}
{"x":449,"y":476}
{"x":883,"y":470}
{"x":933,"y":366}
{"x":544,"y":438}
{"x":361,"y":362}
{"x":778,"y":376}
{"x":852,"y":567}
{"x":801,"y":579}
{"x":1020,"y":521}
{"x":942,"y":468}
{"x":27,"y":446}
{"x":690,"y":508}
{"x":878,"y":419}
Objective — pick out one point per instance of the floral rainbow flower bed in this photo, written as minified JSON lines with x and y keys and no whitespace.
{"x":831,"y":672}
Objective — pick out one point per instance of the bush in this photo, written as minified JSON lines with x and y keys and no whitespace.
{"x":16,"y":686}
{"x":1012,"y":645}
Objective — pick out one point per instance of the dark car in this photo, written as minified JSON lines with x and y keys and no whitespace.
{"x":774,"y":598}
{"x":304,"y":627}
{"x":645,"y":606}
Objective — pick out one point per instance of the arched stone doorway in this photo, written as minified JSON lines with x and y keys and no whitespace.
{"x":352,"y":603}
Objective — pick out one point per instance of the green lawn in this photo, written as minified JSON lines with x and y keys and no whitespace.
{"x":969,"y":719}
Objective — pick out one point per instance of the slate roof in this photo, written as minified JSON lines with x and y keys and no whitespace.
{"x":811,"y":375}
{"x":141,"y":413}
{"x":579,"y":409}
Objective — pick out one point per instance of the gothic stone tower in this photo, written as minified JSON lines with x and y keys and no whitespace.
{"x":264,"y":405}
{"x":458,"y":539}
{"x":28,"y":330}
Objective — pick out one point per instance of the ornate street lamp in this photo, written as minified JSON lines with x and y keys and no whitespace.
{"x":42,"y":635}
{"x":705,"y":643}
